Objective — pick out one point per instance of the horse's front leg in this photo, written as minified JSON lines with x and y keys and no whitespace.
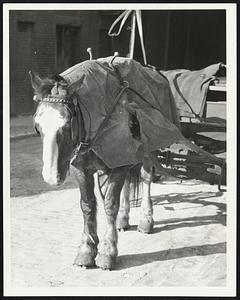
{"x":107,"y":250}
{"x":88,"y":248}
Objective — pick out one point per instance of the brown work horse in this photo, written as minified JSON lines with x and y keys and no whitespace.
{"x":60,"y":122}
{"x":54,"y":121}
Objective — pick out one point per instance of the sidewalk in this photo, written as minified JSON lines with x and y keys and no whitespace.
{"x":21,"y":126}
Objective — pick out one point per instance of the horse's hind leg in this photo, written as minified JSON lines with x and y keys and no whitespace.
{"x":87,"y":250}
{"x":146,"y":217}
{"x":124,"y":209}
{"x":107,"y":250}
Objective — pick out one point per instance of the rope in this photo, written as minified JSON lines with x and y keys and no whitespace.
{"x":124,"y":17}
{"x":183,"y":98}
{"x":122,"y":82}
{"x":136,"y":15}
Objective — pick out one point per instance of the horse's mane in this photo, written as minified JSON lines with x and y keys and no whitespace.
{"x":47,"y":84}
{"x":44,"y":88}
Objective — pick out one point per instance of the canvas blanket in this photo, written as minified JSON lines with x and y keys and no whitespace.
{"x":190,"y":88}
{"x":99,"y":86}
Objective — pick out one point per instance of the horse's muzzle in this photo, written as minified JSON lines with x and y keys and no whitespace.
{"x":56,"y":176}
{"x":54,"y":179}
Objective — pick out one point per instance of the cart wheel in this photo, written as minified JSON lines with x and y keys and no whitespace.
{"x":101,"y":184}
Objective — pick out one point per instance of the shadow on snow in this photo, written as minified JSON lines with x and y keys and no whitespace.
{"x":134,"y":260}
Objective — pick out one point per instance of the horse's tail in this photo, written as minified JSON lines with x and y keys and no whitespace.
{"x":135,"y":178}
{"x":135,"y":181}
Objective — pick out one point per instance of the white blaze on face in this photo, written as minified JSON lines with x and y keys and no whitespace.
{"x":50,"y":121}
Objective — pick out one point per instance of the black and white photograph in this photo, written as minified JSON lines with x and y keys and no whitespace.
{"x":119,"y":144}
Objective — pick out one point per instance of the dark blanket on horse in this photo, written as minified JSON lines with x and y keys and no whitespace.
{"x":190,"y":88}
{"x":98,"y":85}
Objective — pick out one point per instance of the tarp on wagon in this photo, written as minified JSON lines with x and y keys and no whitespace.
{"x":190,"y":88}
{"x":157,"y":114}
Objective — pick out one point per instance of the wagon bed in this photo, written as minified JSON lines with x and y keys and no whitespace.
{"x":214,"y":117}
{"x":209,"y":133}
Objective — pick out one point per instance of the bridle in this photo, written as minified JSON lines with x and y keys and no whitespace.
{"x":71,"y":103}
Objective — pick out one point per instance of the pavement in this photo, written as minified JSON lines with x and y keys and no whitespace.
{"x":21,"y":127}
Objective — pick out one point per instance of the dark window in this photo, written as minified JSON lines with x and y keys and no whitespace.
{"x":22,"y":60}
{"x":24,"y":26}
{"x":68,"y":45}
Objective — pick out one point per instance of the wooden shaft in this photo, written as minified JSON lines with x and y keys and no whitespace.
{"x":132,"y":37}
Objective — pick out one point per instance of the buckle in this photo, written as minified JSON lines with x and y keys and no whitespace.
{"x":125,"y":84}
{"x":82,"y":147}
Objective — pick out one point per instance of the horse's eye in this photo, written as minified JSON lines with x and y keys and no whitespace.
{"x":67,"y":125}
{"x":36,"y":129}
{"x":35,"y":126}
{"x":37,"y":98}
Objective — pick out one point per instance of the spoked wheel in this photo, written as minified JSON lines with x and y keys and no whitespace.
{"x":101,"y":184}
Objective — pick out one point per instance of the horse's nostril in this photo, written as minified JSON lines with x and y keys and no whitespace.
{"x":58,"y":180}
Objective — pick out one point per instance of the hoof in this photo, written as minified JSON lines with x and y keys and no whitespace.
{"x":105,"y":262}
{"x":85,"y":257}
{"x":84,"y":260}
{"x":123,"y":224}
{"x":146,"y":225}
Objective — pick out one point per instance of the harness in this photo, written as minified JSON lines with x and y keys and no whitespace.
{"x":72,"y":103}
{"x":87,"y":145}
{"x":78,"y":132}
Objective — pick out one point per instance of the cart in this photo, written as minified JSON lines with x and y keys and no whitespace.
{"x":207,"y":132}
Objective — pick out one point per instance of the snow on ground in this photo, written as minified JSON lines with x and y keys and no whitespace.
{"x":187,"y":247}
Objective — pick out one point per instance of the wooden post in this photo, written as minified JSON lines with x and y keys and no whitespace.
{"x":140,"y":30}
{"x":132,"y":37}
{"x":167,"y":37}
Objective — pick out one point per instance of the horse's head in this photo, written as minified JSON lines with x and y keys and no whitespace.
{"x":53,"y":121}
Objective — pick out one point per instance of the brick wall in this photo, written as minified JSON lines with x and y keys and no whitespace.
{"x":173,"y":39}
{"x":33,"y":47}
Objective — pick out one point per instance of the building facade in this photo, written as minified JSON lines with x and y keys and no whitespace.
{"x":48,"y":42}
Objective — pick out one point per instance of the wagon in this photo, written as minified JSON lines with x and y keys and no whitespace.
{"x":208,"y":131}
{"x":206,"y":128}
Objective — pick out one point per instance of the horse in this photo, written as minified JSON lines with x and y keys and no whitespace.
{"x":61,"y":121}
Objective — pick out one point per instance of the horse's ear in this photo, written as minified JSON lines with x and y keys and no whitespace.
{"x":76,"y":85}
{"x":35,"y":80}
